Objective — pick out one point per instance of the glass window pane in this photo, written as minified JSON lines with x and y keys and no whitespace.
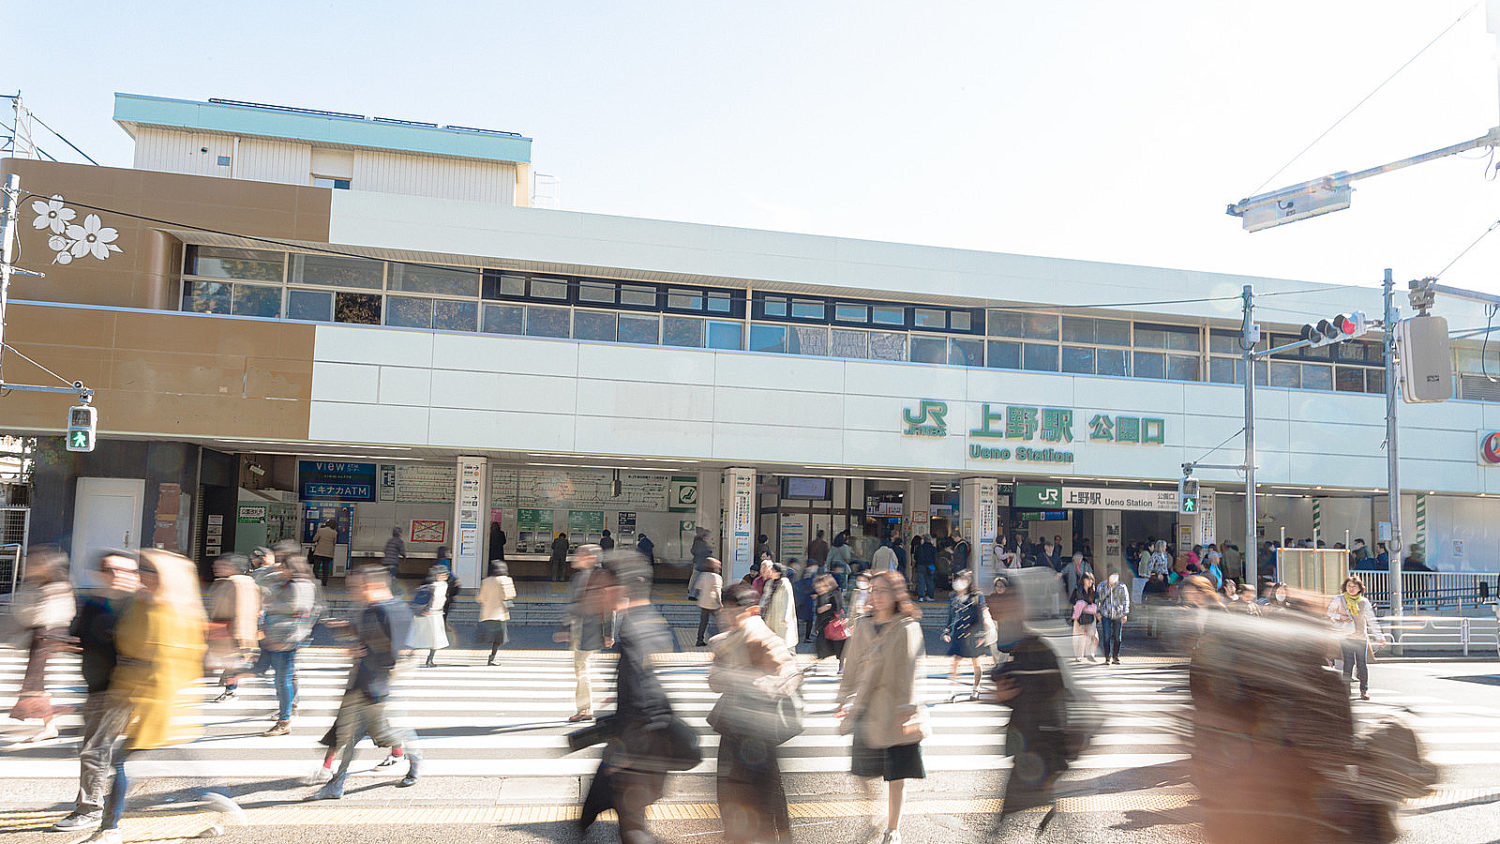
{"x":645,"y":330}
{"x":361,"y":308}
{"x":1041,"y":327}
{"x":312,"y":305}
{"x":851,"y":313}
{"x":1225,"y":370}
{"x":1112,"y":332}
{"x":809,"y":309}
{"x":1149,"y":364}
{"x":929,"y":318}
{"x":1286,"y":374}
{"x":504,"y":319}
{"x":1374,"y":353}
{"x":1039,"y":357}
{"x":965,"y":352}
{"x":1223,"y":342}
{"x":887,"y":345}
{"x":1182,"y":367}
{"x":1112,"y":362}
{"x":807,"y":340}
{"x":257,"y":300}
{"x":338,"y":272}
{"x":1003,"y":355}
{"x":1349,"y":379}
{"x":1150,"y":338}
{"x":593,"y":325}
{"x":960,"y":320}
{"x":408,"y":311}
{"x":725,"y":335}
{"x":767,"y":338}
{"x":638,"y":295}
{"x":1375,"y":380}
{"x":849,"y":344}
{"x":596,"y":291}
{"x":512,"y":284}
{"x":1079,"y":359}
{"x":686,"y":300}
{"x":207,"y":297}
{"x":1320,"y":353}
{"x":1185,"y":339}
{"x":454,"y":314}
{"x":929,"y":349}
{"x":721,"y":303}
{"x":546,"y":322}
{"x":1262,"y":377}
{"x":1077,"y":330}
{"x":220,"y":262}
{"x":436,"y":280}
{"x":681,"y":331}
{"x":1007,"y":324}
{"x":881,"y":315}
{"x":1317,"y":377}
{"x":549,"y":288}
{"x":774,"y":306}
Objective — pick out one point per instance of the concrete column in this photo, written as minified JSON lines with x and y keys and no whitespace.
{"x":709,"y":513}
{"x":978,"y":519}
{"x":738,"y":528}
{"x":469,"y":500}
{"x":915,"y":514}
{"x":1109,"y":552}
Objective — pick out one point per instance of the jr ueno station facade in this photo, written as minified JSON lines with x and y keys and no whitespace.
{"x":293,"y":316}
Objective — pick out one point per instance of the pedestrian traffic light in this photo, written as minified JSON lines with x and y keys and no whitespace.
{"x":83,"y":422}
{"x":1326,"y":332}
{"x":1187,"y":496}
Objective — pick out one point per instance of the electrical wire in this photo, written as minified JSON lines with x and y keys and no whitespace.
{"x":1484,"y":367}
{"x":1366,"y":99}
{"x":1475,"y":243}
{"x":61,"y":138}
{"x":1222,"y":444}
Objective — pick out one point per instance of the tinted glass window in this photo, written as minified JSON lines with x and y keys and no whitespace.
{"x":767,"y":338}
{"x":1317,"y":377}
{"x":208,"y":297}
{"x":960,"y":320}
{"x":1041,"y":327}
{"x":512,"y":284}
{"x":1003,"y":355}
{"x":257,"y":300}
{"x":408,"y":311}
{"x":774,"y":306}
{"x":1182,"y":367}
{"x":849,"y":344}
{"x":1375,"y":380}
{"x":682,"y":331}
{"x":1224,"y":342}
{"x":1007,"y":324}
{"x":549,"y":288}
{"x":684,"y":300}
{"x":454,"y":315}
{"x":1286,"y":374}
{"x":546,"y":322}
{"x":725,"y":335}
{"x":1149,"y":364}
{"x":443,"y":282}
{"x":888,"y":316}
{"x":1078,"y":330}
{"x":639,"y":329}
{"x":720,"y":303}
{"x":338,"y":272}
{"x":1079,"y":359}
{"x":219,"y":262}
{"x":1112,"y":362}
{"x":504,"y":319}
{"x":1225,"y":370}
{"x":851,"y":313}
{"x":965,"y":352}
{"x":362,"y":308}
{"x":809,"y":309}
{"x":1349,"y":379}
{"x":596,"y":291}
{"x":310,"y":305}
{"x":886,"y":345}
{"x":635,"y":294}
{"x":1039,"y":357}
{"x":929,"y":318}
{"x":929,"y":349}
{"x":807,"y":340}
{"x":594,"y":325}
{"x":1112,"y":332}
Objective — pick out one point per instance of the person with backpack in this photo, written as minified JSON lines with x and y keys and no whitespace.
{"x":756,"y":677}
{"x":290,"y":607}
{"x":428,"y":631}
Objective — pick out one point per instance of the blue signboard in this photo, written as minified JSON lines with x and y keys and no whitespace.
{"x":320,"y":480}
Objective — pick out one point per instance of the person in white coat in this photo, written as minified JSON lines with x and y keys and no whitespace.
{"x":428,"y":632}
{"x":777,"y":605}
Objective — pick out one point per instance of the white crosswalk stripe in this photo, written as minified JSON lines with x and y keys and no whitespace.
{"x":477,"y":720}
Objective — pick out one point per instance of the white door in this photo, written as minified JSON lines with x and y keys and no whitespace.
{"x":106,"y":514}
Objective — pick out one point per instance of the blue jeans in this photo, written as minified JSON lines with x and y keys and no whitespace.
{"x":924,"y":582}
{"x":1111,"y":630}
{"x":284,"y":663}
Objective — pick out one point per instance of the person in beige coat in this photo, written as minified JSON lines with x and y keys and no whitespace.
{"x":495,"y":594}
{"x":710,"y":585}
{"x":234,"y":621}
{"x":877,"y":699}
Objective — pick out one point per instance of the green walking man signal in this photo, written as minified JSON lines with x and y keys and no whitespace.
{"x":83,"y":423}
{"x":1187,"y":496}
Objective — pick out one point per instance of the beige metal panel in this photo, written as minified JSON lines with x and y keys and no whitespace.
{"x":333,"y":163}
{"x":267,"y":160}
{"x":182,"y":152}
{"x":445,"y":178}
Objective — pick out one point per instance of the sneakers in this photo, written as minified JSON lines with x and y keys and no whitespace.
{"x":891,"y":837}
{"x":280,"y":728}
{"x":389,"y":760}
{"x":227,"y":694}
{"x":105,"y":836}
{"x":79,"y":820}
{"x":330,"y":791}
{"x":321,"y":775}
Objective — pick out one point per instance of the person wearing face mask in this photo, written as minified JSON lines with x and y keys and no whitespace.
{"x":965,"y":628}
{"x":1114,"y":611}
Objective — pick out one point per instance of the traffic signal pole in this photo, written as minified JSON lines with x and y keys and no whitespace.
{"x":1248,"y":339}
{"x":1392,"y":457}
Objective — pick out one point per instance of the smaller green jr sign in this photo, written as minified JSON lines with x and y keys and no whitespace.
{"x":929,"y":419}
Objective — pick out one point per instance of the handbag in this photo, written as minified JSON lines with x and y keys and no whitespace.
{"x":837,"y":629}
{"x":751,"y":713}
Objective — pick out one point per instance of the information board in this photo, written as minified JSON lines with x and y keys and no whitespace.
{"x":530,"y":518}
{"x":426,"y":484}
{"x":585,"y":522}
{"x":580,"y":488}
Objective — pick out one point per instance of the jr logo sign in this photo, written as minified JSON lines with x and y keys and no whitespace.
{"x":929,"y":420}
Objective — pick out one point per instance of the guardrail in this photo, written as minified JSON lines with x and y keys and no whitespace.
{"x":1432,"y":590}
{"x":12,"y":561}
{"x":1443,"y":632}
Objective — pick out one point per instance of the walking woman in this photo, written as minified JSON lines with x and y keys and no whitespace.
{"x":877,"y":699}
{"x":1085,"y":612}
{"x":43,"y":607}
{"x":965,"y":627}
{"x":428,"y":631}
{"x":234,"y":611}
{"x":1354,"y":619}
{"x":495,"y":595}
{"x":777,"y":605}
{"x":290,"y":602}
{"x":710,"y":583}
{"x":160,"y":652}
{"x":828,"y":604}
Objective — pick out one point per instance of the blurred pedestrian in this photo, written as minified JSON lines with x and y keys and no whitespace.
{"x":43,"y":607}
{"x":710,"y":596}
{"x":1114,"y":611}
{"x":495,"y":594}
{"x":395,"y":552}
{"x":756,"y":676}
{"x":363,"y":711}
{"x":160,"y":647}
{"x":1161,"y":561}
{"x":1085,"y":601}
{"x":830,"y":623}
{"x":965,"y":627}
{"x":859,"y":595}
{"x":1359,"y":632}
{"x":877,"y":698}
{"x":926,"y":568}
{"x":778,"y":604}
{"x":233,"y":621}
{"x":700,"y":551}
{"x":289,"y":604}
{"x":606,"y":541}
{"x":802,"y":593}
{"x":646,"y":548}
{"x":1030,"y":680}
{"x":587,"y":628}
{"x":428,"y":630}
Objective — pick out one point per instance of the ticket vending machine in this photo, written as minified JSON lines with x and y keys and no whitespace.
{"x":313,"y":517}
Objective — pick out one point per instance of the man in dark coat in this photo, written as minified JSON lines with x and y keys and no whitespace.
{"x":559,"y":558}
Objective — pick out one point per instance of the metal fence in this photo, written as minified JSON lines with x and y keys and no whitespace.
{"x":1432,"y":591}
{"x":15,"y":535}
{"x":1444,"y":632}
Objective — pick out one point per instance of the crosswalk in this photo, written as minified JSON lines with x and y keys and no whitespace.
{"x":510,"y":720}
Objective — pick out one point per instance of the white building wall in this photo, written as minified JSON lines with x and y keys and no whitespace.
{"x":182,"y":152}
{"x":445,"y":178}
{"x":267,"y":160}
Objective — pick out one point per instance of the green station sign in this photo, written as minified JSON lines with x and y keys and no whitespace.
{"x":1031,"y":434}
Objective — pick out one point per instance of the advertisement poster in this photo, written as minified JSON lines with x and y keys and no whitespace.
{"x":429,"y":530}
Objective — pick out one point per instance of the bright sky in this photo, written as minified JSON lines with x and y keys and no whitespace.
{"x":1089,"y":129}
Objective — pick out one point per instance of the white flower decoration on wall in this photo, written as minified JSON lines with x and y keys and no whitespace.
{"x":70,"y":240}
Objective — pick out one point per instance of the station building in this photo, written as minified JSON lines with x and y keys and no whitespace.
{"x":290,"y":315}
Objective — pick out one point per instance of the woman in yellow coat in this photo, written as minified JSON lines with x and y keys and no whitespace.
{"x":160,"y":645}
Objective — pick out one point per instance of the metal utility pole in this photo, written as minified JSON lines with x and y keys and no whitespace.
{"x":1249,"y":337}
{"x":1392,"y":457}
